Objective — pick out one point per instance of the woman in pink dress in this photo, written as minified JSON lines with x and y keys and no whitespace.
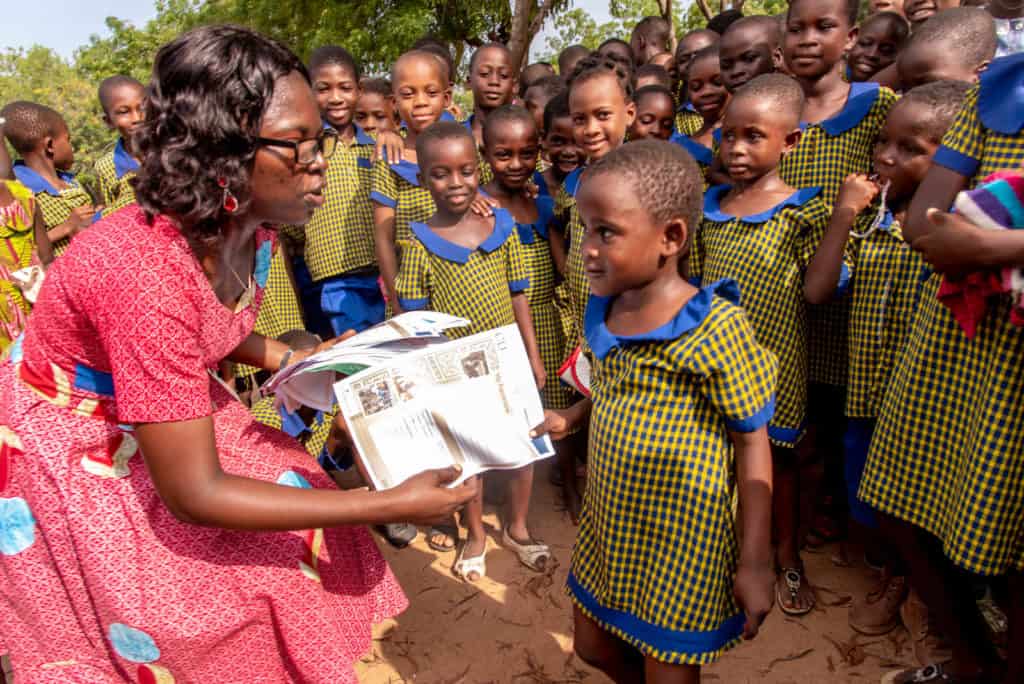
{"x":150,"y":530}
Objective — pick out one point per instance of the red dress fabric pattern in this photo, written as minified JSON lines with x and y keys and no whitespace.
{"x":98,"y":581}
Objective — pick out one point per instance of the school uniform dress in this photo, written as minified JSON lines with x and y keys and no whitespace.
{"x":17,"y":251}
{"x":946,"y":452}
{"x":826,"y":155}
{"x":339,"y":243}
{"x":574,"y":290}
{"x":766,"y":254}
{"x":688,"y":120}
{"x":478,"y":284}
{"x":547,"y":325}
{"x":101,"y":582}
{"x":704,"y":156}
{"x":114,"y":171}
{"x":656,"y":551}
{"x":312,"y":435}
{"x":484,"y":173}
{"x":55,"y":205}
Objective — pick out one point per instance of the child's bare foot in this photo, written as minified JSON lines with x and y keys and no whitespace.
{"x":572,"y":500}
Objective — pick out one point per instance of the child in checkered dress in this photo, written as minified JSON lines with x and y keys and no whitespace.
{"x":422,"y":90}
{"x":681,"y":396}
{"x":492,"y":80}
{"x":865,"y":232}
{"x":707,"y":93}
{"x":688,"y":119}
{"x":559,"y":146}
{"x":762,"y":232}
{"x":472,"y":266}
{"x":40,"y":137}
{"x":122,"y":99}
{"x":944,"y":471}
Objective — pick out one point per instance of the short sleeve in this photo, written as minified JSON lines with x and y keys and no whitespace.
{"x":149,"y":322}
{"x":384,"y":185}
{"x":413,"y":280}
{"x":515,"y":265}
{"x":962,"y":146}
{"x":740,"y":374}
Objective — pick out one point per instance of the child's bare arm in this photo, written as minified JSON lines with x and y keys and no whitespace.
{"x":79,"y":219}
{"x":560,"y":423}
{"x":556,"y":243}
{"x":755,"y":576}
{"x":44,"y":248}
{"x":855,"y":195}
{"x":937,"y":191}
{"x":384,"y":246}
{"x":524,"y":320}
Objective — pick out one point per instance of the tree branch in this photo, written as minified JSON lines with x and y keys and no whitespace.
{"x":705,"y":9}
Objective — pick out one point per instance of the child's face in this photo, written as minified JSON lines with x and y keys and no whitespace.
{"x":560,"y":146}
{"x":903,"y":152}
{"x":511,"y":150}
{"x":623,"y":247}
{"x":704,"y":88}
{"x":817,"y":34}
{"x":691,"y":44}
{"x":875,"y":49}
{"x":619,"y":53}
{"x":535,"y":99}
{"x":492,"y":79}
{"x":336,"y":92}
{"x":600,"y":115}
{"x":62,"y":152}
{"x":746,"y":52}
{"x":919,"y":11}
{"x":877,"y":6}
{"x":450,"y":174}
{"x":922,"y":63}
{"x":655,"y":116}
{"x":421,"y":91}
{"x":125,"y":108}
{"x":374,"y":113}
{"x":755,"y":135}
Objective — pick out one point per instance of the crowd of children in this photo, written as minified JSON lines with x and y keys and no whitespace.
{"x":744,"y":235}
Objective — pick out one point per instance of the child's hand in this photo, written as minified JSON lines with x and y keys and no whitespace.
{"x":531,"y":189}
{"x":483,"y":205}
{"x":389,"y":145}
{"x":80,"y":219}
{"x":951,"y":243}
{"x":857,"y":193}
{"x":753,"y":591}
{"x":557,"y":423}
{"x":539,"y":374}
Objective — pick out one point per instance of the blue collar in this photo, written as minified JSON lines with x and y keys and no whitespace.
{"x":545,"y":212}
{"x":437,"y":245}
{"x":713,"y":211}
{"x":407,"y":171}
{"x":542,"y":185}
{"x":687,"y":107}
{"x":361,"y":137}
{"x":123,"y":162}
{"x":292,"y":423}
{"x":1000,"y":95}
{"x":692,"y":314}
{"x":572,"y":181}
{"x":36,"y":183}
{"x":858,"y":103}
{"x":703,"y":155}
{"x":887,"y":221}
{"x":468,"y":122}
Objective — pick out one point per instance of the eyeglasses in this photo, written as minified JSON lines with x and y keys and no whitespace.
{"x":307,"y":150}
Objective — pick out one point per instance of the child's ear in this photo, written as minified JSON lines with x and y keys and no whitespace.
{"x":851,"y":38}
{"x":48,"y":147}
{"x":674,"y":236}
{"x":448,"y":96}
{"x":630,"y":113}
{"x":792,"y":138}
{"x":777,"y":60}
{"x":106,"y":120}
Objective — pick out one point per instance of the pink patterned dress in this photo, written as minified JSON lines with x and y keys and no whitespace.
{"x":98,"y":581}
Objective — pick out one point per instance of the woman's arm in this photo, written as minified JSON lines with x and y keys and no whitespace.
{"x":260,"y":352}
{"x":521,"y":309}
{"x":384,"y":245}
{"x":182,"y":460}
{"x":938,"y":190}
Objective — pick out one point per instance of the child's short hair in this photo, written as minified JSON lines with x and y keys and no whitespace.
{"x":721,"y":22}
{"x":665,"y":178}
{"x":851,"y":8}
{"x":506,"y":114}
{"x":438,"y":49}
{"x":376,"y":86}
{"x":437,"y":133}
{"x":431,"y":56}
{"x":573,"y":52}
{"x":333,"y":54}
{"x":534,"y":73}
{"x":942,"y":99}
{"x":549,"y":85}
{"x":783,"y":92}
{"x":711,"y":51}
{"x":112,"y":83}
{"x":556,"y":108}
{"x":598,"y":65}
{"x":897,"y":24}
{"x":968,"y":32}
{"x":650,"y":91}
{"x":28,"y":123}
{"x":770,"y":25}
{"x":488,"y":46}
{"x":655,"y":71}
{"x":615,"y":41}
{"x":655,"y":30}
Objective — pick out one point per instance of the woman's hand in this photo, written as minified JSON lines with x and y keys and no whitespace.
{"x":952,"y":244}
{"x":425,"y":499}
{"x":753,"y":591}
{"x":300,"y":354}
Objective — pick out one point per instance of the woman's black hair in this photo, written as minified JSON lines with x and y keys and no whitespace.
{"x":210,"y":90}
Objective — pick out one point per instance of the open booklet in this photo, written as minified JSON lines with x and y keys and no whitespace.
{"x":414,"y":400}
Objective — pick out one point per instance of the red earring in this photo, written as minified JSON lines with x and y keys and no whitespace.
{"x":229,"y":202}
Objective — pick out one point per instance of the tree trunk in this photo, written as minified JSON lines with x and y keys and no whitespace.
{"x":665,"y":7}
{"x":705,"y":9}
{"x":527,"y":20}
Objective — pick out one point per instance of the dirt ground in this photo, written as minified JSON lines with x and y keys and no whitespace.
{"x":515,"y":626}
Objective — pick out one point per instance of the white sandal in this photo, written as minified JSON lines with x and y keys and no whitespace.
{"x":464,"y":567}
{"x":529,"y":554}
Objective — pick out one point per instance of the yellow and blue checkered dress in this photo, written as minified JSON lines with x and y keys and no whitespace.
{"x":476,"y":284}
{"x":766,"y":254}
{"x":547,"y":324}
{"x":55,"y":205}
{"x":113,"y":171}
{"x":574,"y":290}
{"x":484,"y":173}
{"x":884,"y":289}
{"x":828,"y":152}
{"x":339,"y":237}
{"x":280,"y":310}
{"x":656,"y":551}
{"x":313,"y":437}
{"x":688,"y":121}
{"x":946,"y":452}
{"x":397,"y":186}
{"x":704,"y":156}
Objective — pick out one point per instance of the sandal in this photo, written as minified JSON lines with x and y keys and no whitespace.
{"x":399,"y":535}
{"x":464,"y":567}
{"x":448,"y":530}
{"x":530,"y":554}
{"x":794,"y":578}
{"x":931,"y":674}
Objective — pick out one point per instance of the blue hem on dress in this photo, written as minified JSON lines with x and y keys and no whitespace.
{"x":754,"y":422}
{"x":786,"y":435}
{"x":413,"y":304}
{"x":956,"y":161}
{"x":377,"y":197}
{"x":700,"y":153}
